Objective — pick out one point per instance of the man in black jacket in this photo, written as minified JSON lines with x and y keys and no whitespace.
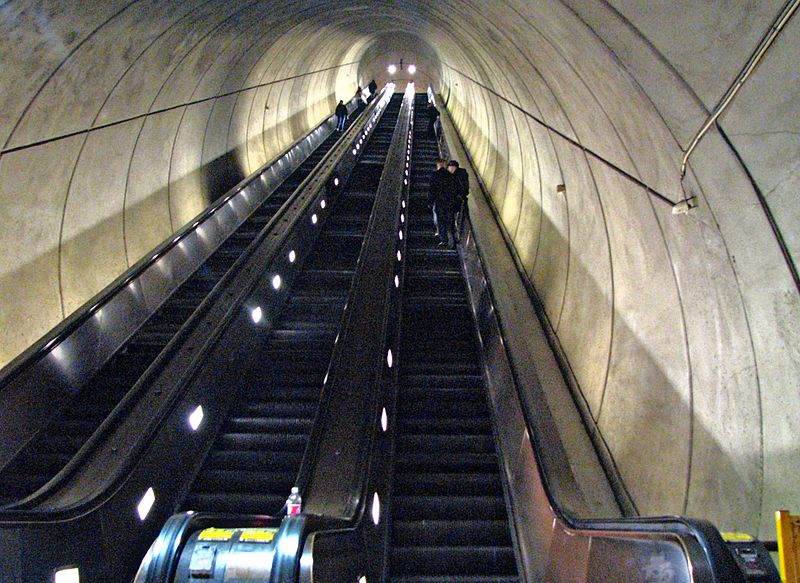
{"x":462,"y":191}
{"x":443,"y":196}
{"x":341,"y":114}
{"x":433,"y":115}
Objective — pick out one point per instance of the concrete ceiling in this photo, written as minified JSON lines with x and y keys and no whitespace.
{"x":120,"y":120}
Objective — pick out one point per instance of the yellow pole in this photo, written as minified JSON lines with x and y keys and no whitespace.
{"x":788,"y":527}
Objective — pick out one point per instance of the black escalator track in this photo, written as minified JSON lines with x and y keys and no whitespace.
{"x":255,"y":458}
{"x":75,"y":422}
{"x":449,"y":517}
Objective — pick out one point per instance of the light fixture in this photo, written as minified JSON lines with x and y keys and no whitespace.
{"x":257,"y":314}
{"x":396,"y":281}
{"x":314,"y":219}
{"x":389,"y":359}
{"x":68,"y":575}
{"x":384,"y":420}
{"x":146,"y":503}
{"x":683,"y":207}
{"x":376,"y":509}
{"x":322,"y":203}
{"x":292,"y":256}
{"x":399,"y":255}
{"x":392,"y":69}
{"x":336,"y":181}
{"x":400,"y":234}
{"x":276,"y":282}
{"x":196,"y":418}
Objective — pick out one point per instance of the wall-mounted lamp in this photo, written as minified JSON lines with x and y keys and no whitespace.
{"x":412,"y":69}
{"x":561,"y":189}
{"x":683,"y":207}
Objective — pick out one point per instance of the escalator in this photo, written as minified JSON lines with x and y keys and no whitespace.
{"x":254,"y":461}
{"x":449,"y":507}
{"x":73,"y":423}
{"x":449,"y":517}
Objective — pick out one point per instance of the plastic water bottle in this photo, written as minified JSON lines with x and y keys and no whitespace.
{"x":294,"y":503}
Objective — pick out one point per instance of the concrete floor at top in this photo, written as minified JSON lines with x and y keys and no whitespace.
{"x":121,"y":120}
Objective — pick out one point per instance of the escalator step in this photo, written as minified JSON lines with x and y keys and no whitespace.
{"x":451,"y":533}
{"x":245,"y":460}
{"x":450,"y":507}
{"x":452,"y":443}
{"x":247,"y":482}
{"x":235,"y":503}
{"x":285,"y":425}
{"x":440,"y":484}
{"x":261,"y":442}
{"x":446,"y":560}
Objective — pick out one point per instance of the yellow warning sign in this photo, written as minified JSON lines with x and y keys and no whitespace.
{"x":217,"y":534}
{"x":258,"y":535}
{"x":737,"y":537}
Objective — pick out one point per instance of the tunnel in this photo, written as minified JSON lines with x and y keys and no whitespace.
{"x":669,"y":295}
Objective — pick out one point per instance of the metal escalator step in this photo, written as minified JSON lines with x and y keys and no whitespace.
{"x":446,"y":560}
{"x":441,"y":484}
{"x":451,"y":532}
{"x":246,"y":460}
{"x":284,"y":425}
{"x":446,"y":463}
{"x":433,"y":380}
{"x":235,"y":503}
{"x":261,"y":442}
{"x":447,"y":368}
{"x":290,"y":408}
{"x":452,"y":443}
{"x":266,"y":482}
{"x":456,"y":579}
{"x":282,"y":394}
{"x":444,"y":426}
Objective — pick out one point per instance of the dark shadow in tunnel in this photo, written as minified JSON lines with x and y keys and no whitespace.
{"x":222,"y":174}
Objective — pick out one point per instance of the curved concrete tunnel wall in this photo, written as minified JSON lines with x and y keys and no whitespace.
{"x":680,"y":330}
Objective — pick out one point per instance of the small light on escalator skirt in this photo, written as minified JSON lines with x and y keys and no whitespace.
{"x":196,"y":418}
{"x":146,"y":503}
{"x":68,"y":575}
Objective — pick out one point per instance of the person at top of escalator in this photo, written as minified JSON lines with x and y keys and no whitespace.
{"x":433,"y":115}
{"x":373,"y":89}
{"x":341,"y":115}
{"x":443,"y":196}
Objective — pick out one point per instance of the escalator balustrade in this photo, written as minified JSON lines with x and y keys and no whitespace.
{"x":72,"y":425}
{"x":255,"y":458}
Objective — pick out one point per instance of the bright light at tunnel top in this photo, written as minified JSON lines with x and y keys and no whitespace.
{"x":392,"y":69}
{"x":412,"y":69}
